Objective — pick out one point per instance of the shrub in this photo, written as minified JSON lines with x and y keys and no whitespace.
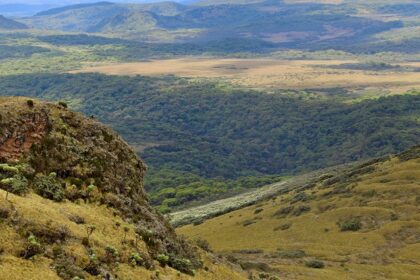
{"x":49,"y":187}
{"x":282,"y":212}
{"x":283,"y":227}
{"x":18,"y":184}
{"x":33,"y":247}
{"x":183,"y":265}
{"x":162,"y":259}
{"x":111,"y":254}
{"x":299,"y":197}
{"x":5,"y":213}
{"x":49,"y":234}
{"x":353,"y":224}
{"x":77,"y":219}
{"x":248,"y":222}
{"x":203,"y":244}
{"x":292,"y":254}
{"x":301,"y":209}
{"x":67,"y":269}
{"x":30,"y":103}
{"x":135,"y":259}
{"x":62,"y":104}
{"x":315,"y":264}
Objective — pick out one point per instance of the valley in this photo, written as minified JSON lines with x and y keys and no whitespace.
{"x":210,"y":139}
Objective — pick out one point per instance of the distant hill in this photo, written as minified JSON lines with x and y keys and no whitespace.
{"x":10,"y":24}
{"x":358,"y":224}
{"x":287,"y":24}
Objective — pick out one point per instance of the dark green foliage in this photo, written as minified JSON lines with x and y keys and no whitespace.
{"x":30,"y":103}
{"x":66,"y":267}
{"x":49,"y":186}
{"x":204,"y":131}
{"x":183,"y":265}
{"x":62,"y":104}
{"x":162,"y":259}
{"x":352,"y":224}
{"x":135,"y":259}
{"x":8,"y":52}
{"x":13,"y":180}
{"x":315,"y":264}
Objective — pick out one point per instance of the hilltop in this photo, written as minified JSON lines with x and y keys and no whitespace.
{"x":72,"y":203}
{"x":360,"y":223}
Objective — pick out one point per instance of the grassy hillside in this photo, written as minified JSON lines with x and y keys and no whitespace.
{"x":73,"y":206}
{"x":361,"y":224}
{"x":184,"y":128}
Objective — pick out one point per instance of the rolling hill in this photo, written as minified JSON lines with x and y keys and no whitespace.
{"x":9,"y":24}
{"x":361,"y":223}
{"x":73,"y":205}
{"x":285,"y":24}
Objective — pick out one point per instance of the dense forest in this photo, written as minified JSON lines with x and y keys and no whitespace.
{"x":203,"y":133}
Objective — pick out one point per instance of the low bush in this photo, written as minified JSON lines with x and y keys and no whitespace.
{"x":135,"y":259}
{"x":301,"y":209}
{"x":292,"y":254}
{"x":248,"y":222}
{"x":203,"y":244}
{"x":283,"y":227}
{"x":49,"y":186}
{"x":284,"y":211}
{"x":33,"y":247}
{"x":67,"y":269}
{"x":315,"y":264}
{"x":182,"y":265}
{"x":352,"y":224}
{"x":162,"y":259}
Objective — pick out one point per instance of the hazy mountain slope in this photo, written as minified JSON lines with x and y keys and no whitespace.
{"x":285,"y":24}
{"x":361,"y":224}
{"x":9,"y":24}
{"x":67,"y":174}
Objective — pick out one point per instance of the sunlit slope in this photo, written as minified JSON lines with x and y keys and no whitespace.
{"x":363,"y":224}
{"x":48,"y":219}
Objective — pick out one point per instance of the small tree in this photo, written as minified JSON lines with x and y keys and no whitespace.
{"x":126,"y":230}
{"x":89,"y":231}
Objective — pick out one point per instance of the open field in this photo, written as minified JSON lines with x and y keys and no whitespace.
{"x":275,"y":74}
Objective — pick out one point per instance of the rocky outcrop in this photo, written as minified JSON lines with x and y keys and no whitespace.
{"x":81,"y":153}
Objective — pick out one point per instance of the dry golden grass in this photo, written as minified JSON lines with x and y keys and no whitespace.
{"x":387,"y":246}
{"x":271,"y":73}
{"x":42,"y":212}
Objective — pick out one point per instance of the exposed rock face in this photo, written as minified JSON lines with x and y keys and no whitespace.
{"x":19,"y":134}
{"x":83,"y":152}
